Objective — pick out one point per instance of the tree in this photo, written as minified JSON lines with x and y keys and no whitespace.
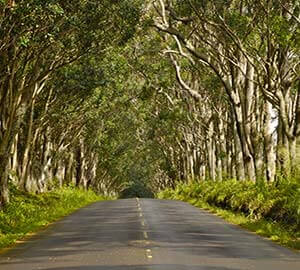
{"x":227,"y":39}
{"x":38,"y":38}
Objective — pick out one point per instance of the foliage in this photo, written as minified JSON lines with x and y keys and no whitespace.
{"x":275,"y":231}
{"x":278,"y":202}
{"x":29,"y":212}
{"x":138,"y":190}
{"x":270,"y":210}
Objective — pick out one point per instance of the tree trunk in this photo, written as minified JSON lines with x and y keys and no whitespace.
{"x":25,"y":162}
{"x":270,"y":155}
{"x":4,"y":192}
{"x":10,"y":126}
{"x":46,"y":172}
{"x":238,"y":154}
{"x":14,"y":162}
{"x":283,"y":152}
{"x":211,"y":150}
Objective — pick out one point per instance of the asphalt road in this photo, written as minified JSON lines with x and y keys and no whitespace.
{"x":146,"y":234}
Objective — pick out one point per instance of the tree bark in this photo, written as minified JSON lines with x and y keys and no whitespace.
{"x":269,"y":142}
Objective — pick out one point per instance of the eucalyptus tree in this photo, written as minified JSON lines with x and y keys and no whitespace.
{"x":39,"y":37}
{"x":277,"y":69}
{"x":238,"y":41}
{"x":208,"y":44}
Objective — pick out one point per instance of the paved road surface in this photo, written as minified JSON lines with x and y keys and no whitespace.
{"x":147,"y":235}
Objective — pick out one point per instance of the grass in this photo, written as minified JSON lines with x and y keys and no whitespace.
{"x":28,"y":213}
{"x":277,"y":232}
{"x":273,"y":217}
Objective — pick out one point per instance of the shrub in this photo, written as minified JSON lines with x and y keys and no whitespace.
{"x":29,"y":212}
{"x":279,"y":201}
{"x":139,"y":190}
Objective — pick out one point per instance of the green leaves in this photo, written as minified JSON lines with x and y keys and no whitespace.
{"x":261,"y":200}
{"x":281,"y":30}
{"x":136,"y":189}
{"x":29,"y":212}
{"x":237,"y":22}
{"x":56,"y":9}
{"x":24,"y":41}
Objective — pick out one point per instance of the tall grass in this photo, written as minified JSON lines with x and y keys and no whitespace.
{"x":271,"y":209}
{"x":29,"y":212}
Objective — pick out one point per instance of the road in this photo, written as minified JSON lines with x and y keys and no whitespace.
{"x":146,"y":234}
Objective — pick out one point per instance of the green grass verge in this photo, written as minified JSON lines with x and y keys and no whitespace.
{"x":28,"y":213}
{"x":238,"y":204}
{"x":277,"y":232}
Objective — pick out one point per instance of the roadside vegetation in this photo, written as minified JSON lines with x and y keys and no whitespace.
{"x":28,"y":213}
{"x":271,"y":210}
{"x":136,"y":190}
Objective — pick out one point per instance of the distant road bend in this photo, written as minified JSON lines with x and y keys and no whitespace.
{"x":146,"y":234}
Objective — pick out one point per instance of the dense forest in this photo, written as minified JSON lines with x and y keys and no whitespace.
{"x":113,"y":93}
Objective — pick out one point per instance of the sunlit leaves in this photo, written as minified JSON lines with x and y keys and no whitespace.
{"x":24,"y":41}
{"x":238,"y":23}
{"x":56,"y":9}
{"x":281,"y":30}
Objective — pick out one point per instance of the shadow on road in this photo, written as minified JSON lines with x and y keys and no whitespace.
{"x":180,"y":237}
{"x":144,"y":267}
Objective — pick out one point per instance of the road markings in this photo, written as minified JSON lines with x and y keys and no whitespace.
{"x":148,"y":251}
{"x":149,"y":254}
{"x":139,"y":207}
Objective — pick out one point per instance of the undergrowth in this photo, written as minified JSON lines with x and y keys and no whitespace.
{"x":271,"y":210}
{"x":137,"y":189}
{"x":27,"y":213}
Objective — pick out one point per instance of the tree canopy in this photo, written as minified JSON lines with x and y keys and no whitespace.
{"x":130,"y":94}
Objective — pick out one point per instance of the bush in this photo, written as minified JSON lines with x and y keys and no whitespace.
{"x":29,"y":212}
{"x":136,"y":190}
{"x":278,"y":202}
